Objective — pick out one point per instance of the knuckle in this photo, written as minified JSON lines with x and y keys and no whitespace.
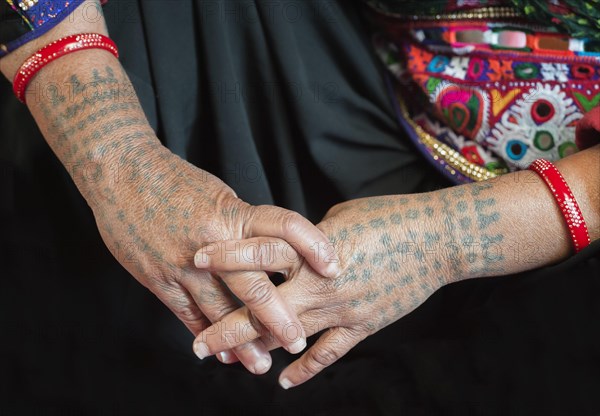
{"x":249,"y":215}
{"x":178,"y":261}
{"x":219,"y":310}
{"x":317,"y":359}
{"x":322,"y":289}
{"x":160,"y":281}
{"x":209,"y":230}
{"x":182,"y":261}
{"x":291,"y":222}
{"x":308,"y":368}
{"x":188,"y":314}
{"x":260,"y":293}
{"x":215,"y":304}
{"x":352,"y":336}
{"x":324,"y":356}
{"x":254,"y":323}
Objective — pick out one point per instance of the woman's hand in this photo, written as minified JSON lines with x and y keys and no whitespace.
{"x":397,"y":250}
{"x":381,"y":243}
{"x":153,"y":209}
{"x":157,"y":216}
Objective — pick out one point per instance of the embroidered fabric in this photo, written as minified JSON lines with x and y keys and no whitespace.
{"x":487,"y":95}
{"x":580,"y":18}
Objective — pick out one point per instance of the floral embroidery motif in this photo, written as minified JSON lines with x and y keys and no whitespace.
{"x":537,"y":125}
{"x":501,"y":109}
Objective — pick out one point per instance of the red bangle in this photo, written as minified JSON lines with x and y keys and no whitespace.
{"x":55,"y":50}
{"x":566,"y":201}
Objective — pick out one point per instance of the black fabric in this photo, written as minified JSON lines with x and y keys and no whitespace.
{"x":288,"y":109}
{"x":12,"y":25}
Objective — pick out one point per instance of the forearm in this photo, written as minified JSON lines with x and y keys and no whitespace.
{"x":88,"y":112}
{"x":94,"y":123}
{"x":502,"y":226}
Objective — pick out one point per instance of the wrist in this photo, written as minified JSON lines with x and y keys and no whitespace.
{"x":105,"y":178}
{"x":579,"y":166}
{"x":425,"y":248}
{"x":440,"y":240}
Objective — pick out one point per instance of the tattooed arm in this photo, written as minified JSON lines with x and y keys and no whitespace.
{"x":153,"y":209}
{"x":397,"y":250}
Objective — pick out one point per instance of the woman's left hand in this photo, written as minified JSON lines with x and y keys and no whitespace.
{"x":397,"y":250}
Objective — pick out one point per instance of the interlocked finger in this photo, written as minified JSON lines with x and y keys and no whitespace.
{"x":329,"y":348}
{"x":212,"y":299}
{"x":267,"y":312}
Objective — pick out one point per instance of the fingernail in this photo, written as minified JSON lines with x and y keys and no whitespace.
{"x":297,"y":346}
{"x":262,"y":366}
{"x":201,"y":260}
{"x":226,"y":357}
{"x":285,"y":383}
{"x":334,"y":269}
{"x":201,"y":350}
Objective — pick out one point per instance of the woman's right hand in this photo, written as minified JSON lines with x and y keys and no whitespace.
{"x":157,"y":219}
{"x":153,"y":209}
